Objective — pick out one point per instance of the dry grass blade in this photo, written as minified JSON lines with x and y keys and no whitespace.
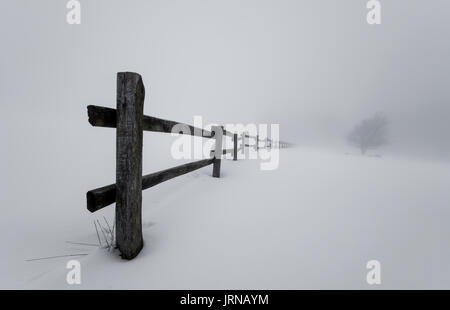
{"x":98,"y":236}
{"x":82,"y":243}
{"x":103,"y":232}
{"x":107,"y":224}
{"x":57,"y":256}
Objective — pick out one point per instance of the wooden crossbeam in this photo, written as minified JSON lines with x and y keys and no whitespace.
{"x":104,"y":196}
{"x":107,"y":117}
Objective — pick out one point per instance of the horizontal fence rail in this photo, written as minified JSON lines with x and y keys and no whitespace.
{"x":106,"y":195}
{"x":107,"y":117}
{"x":227,"y":151}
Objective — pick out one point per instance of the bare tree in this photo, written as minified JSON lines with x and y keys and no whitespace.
{"x":369,"y":133}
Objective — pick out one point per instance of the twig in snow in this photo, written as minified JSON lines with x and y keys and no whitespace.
{"x":107,"y":224}
{"x":98,"y":236}
{"x":104,"y":235}
{"x":114,"y":236}
{"x":110,"y":233}
{"x":81,"y":243}
{"x":58,"y":256}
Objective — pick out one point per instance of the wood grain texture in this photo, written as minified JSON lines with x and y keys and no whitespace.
{"x":106,"y":117}
{"x":130,"y":108}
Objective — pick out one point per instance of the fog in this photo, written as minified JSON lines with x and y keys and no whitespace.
{"x":314,"y":67}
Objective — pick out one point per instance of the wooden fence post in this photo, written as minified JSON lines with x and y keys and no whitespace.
{"x":235,"y":141}
{"x":257,"y":143}
{"x":130,"y":107}
{"x":218,"y":133}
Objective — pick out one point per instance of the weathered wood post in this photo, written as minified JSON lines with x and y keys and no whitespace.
{"x":218,"y":133}
{"x":235,"y":141}
{"x":246,"y":145}
{"x":130,"y":107}
{"x":257,"y":143}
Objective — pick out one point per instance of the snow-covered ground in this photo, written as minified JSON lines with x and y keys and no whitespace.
{"x":312,"y":224}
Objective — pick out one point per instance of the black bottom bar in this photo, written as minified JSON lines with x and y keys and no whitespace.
{"x":373,"y":299}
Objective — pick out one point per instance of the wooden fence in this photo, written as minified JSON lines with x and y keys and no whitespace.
{"x":129,"y":121}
